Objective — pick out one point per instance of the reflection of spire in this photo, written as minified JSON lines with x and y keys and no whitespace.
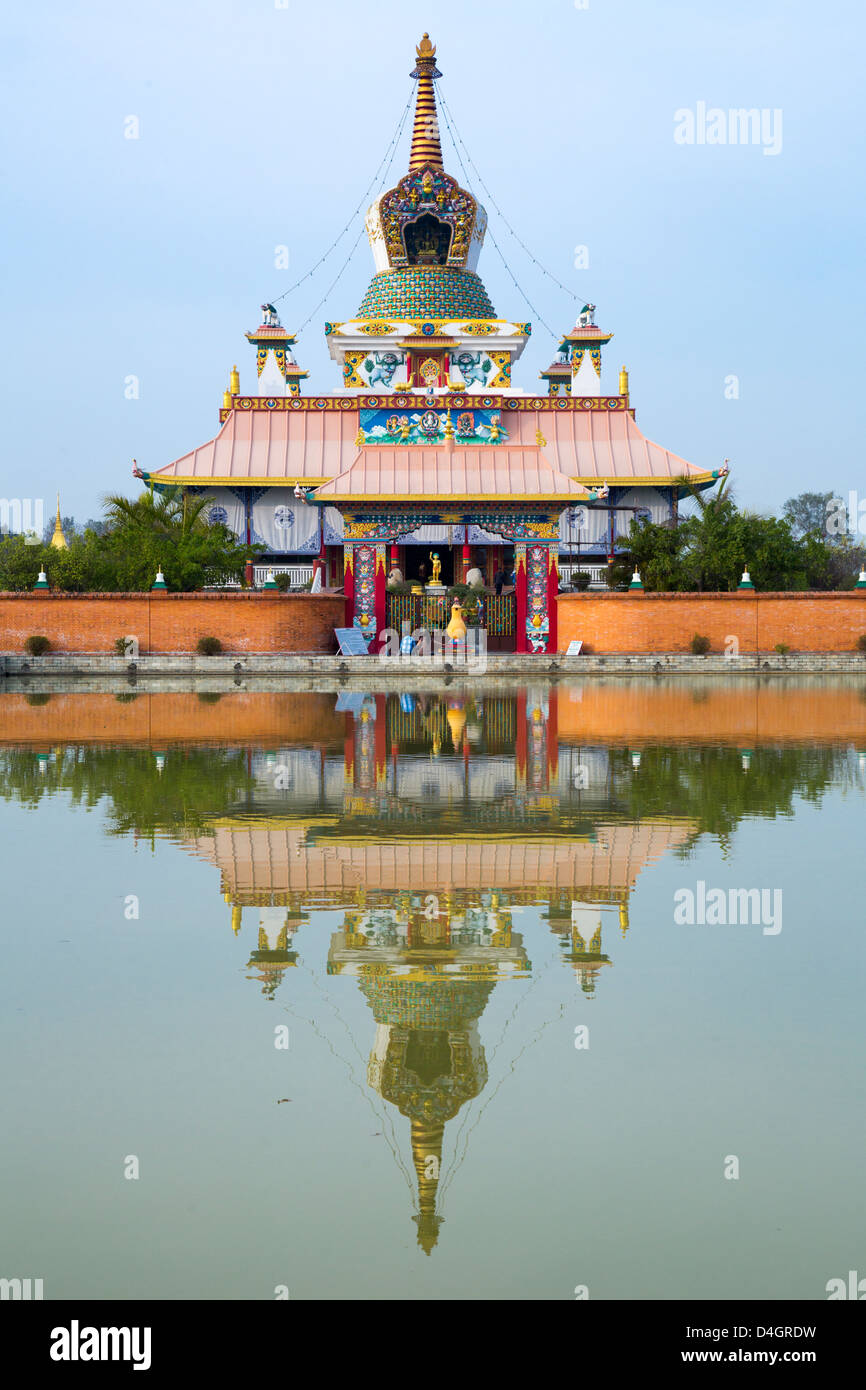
{"x":427,"y":1157}
{"x":426,"y":146}
{"x":427,"y":1059}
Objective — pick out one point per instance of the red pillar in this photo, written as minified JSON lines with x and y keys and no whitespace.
{"x":349,"y":583}
{"x":521,"y":644}
{"x":380,"y":590}
{"x":552,"y":591}
{"x":467,"y":560}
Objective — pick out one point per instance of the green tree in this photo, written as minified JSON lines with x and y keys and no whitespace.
{"x":170,"y":531}
{"x":807,"y":513}
{"x":656,"y":551}
{"x":20,"y":562}
{"x":708,"y":549}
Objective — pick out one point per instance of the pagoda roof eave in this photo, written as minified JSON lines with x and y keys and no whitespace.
{"x":312,"y":441}
{"x":438,"y":473}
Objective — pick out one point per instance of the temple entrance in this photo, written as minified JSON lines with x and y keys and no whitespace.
{"x":497,"y":617}
{"x":418,"y":567}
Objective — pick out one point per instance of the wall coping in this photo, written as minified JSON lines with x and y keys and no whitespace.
{"x":244,"y":595}
{"x":729,"y":595}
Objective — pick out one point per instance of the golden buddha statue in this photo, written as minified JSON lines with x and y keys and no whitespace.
{"x":437,"y":567}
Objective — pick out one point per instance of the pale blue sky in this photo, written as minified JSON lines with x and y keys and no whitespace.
{"x":261,"y":126}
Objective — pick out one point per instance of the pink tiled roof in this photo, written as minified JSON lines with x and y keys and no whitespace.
{"x":278,"y":446}
{"x":282,"y":446}
{"x":271,"y":330}
{"x":601,"y":444}
{"x":437,"y":471}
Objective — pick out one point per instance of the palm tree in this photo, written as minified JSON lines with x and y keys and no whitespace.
{"x":171,"y":513}
{"x":705,"y":556}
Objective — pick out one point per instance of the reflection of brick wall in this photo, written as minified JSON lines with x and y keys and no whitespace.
{"x":159,"y":718}
{"x":716,"y":710}
{"x":646,"y":623}
{"x":244,"y":622}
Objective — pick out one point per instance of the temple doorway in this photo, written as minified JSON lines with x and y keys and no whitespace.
{"x":418,"y":556}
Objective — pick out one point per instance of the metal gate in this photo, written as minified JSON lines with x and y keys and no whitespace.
{"x":424,"y":611}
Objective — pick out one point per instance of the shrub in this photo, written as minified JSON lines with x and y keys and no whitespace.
{"x":283,"y":582}
{"x":618,"y":575}
{"x":861,"y":643}
{"x":126,"y":697}
{"x":699,"y":645}
{"x":37,"y":645}
{"x":37,"y":699}
{"x":208,"y":646}
{"x":580,"y":580}
{"x":209,"y":697}
{"x":782,"y":648}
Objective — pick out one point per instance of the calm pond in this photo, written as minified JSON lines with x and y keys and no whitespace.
{"x":492,"y":993}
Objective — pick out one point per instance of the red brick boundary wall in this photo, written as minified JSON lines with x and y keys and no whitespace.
{"x":243,"y":622}
{"x":641,"y":623}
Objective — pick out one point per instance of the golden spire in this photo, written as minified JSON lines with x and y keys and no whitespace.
{"x":58,"y":540}
{"x":427,"y":1157}
{"x":235,"y":381}
{"x":623,"y":382}
{"x":426,"y":146}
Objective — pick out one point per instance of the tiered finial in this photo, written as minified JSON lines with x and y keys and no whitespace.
{"x":58,"y":540}
{"x":426,"y":145}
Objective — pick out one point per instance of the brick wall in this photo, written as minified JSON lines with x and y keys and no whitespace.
{"x":244,"y":622}
{"x":648,"y":623}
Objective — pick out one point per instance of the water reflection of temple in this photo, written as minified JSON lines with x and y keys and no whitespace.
{"x":438,"y":820}
{"x":476,"y":802}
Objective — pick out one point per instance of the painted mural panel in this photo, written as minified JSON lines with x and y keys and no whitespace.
{"x":365,"y":589}
{"x":428,"y":426}
{"x":537,"y":620}
{"x":379,"y":371}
